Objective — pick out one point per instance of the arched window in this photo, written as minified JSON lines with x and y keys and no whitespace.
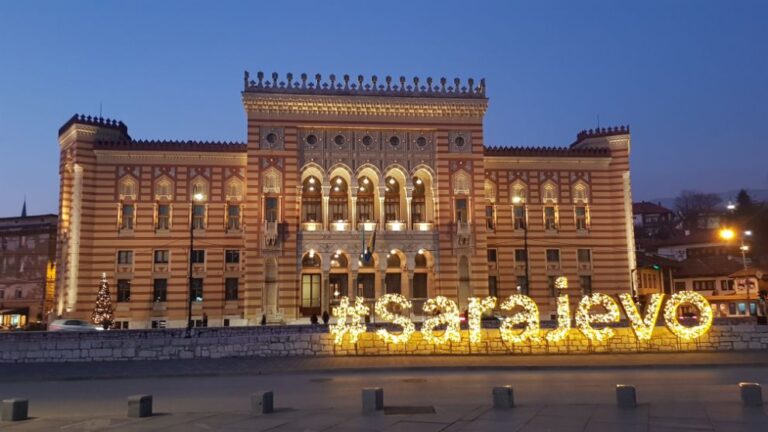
{"x":580,"y":193}
{"x":311,"y":200}
{"x":338,"y":199}
{"x":519,"y":193}
{"x":581,"y":207}
{"x":461,"y":183}
{"x":233,"y":190}
{"x":418,"y":201}
{"x":490,"y":191}
{"x":365,"y":198}
{"x":164,"y":189}
{"x":392,"y":200}
{"x":200,"y":187}
{"x":549,"y":198}
{"x":549,"y":192}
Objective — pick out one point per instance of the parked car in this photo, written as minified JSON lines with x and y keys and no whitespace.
{"x":72,"y":325}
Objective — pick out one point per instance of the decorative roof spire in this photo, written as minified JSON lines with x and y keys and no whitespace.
{"x":24,"y":207}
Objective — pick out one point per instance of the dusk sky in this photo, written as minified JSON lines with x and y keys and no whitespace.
{"x":689,"y":77}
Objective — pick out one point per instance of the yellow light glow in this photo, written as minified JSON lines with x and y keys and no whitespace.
{"x":311,"y":180}
{"x":339,"y":180}
{"x":383,"y":312}
{"x":198,"y":197}
{"x":561,"y":283}
{"x":727,"y":234}
{"x":365,"y":180}
{"x":448,"y":314}
{"x":391,"y":181}
{"x":529,"y":315}
{"x":476,"y":308}
{"x":348,"y":320}
{"x":694,"y":299}
{"x":585,"y":319}
{"x":643,"y":327}
{"x":563,"y":320}
{"x":516,"y":200}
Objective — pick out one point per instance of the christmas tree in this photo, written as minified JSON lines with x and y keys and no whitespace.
{"x":103,"y":313}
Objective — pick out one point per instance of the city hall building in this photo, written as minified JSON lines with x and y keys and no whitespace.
{"x":345,"y":187}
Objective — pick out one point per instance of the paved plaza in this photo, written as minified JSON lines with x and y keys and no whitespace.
{"x":678,"y":392}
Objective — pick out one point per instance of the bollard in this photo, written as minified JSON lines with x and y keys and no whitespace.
{"x":373,"y":399}
{"x":626,"y":396}
{"x":503,"y":397}
{"x":262,"y":402}
{"x":14,"y":409}
{"x":140,"y":406}
{"x":751,"y":394}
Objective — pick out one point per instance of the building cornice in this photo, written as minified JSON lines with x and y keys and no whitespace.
{"x":364,"y":108}
{"x":173,"y":158}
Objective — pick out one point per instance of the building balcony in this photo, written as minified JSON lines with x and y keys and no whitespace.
{"x":367,"y":226}
{"x":395,"y":226}
{"x":423,"y":226}
{"x":274,"y":234}
{"x":341,"y":225}
{"x":311,"y":226}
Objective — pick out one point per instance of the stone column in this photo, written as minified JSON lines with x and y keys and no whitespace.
{"x":408,"y":198}
{"x":382,"y":220}
{"x":325,"y":295}
{"x":407,"y":290}
{"x":326,"y":197}
{"x":353,"y":212}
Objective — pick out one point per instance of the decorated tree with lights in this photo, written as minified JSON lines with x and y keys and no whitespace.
{"x":103,"y":312}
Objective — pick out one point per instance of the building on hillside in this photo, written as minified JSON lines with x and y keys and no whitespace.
{"x":654,"y":275}
{"x":329,"y":169}
{"x":654,"y":221}
{"x":27,"y":268}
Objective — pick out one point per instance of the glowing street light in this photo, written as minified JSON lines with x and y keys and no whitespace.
{"x":727,"y":234}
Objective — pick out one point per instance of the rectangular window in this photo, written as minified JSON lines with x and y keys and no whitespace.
{"x":198,"y":216}
{"x":679,"y":286}
{"x":581,"y":218}
{"x":161,"y":256}
{"x":493,"y":289}
{"x":198,"y":256}
{"x":492,"y":255}
{"x":550,"y":218}
{"x":584,"y":256}
{"x":196,"y":289}
{"x":551,"y":285}
{"x":232,"y":256}
{"x":127,"y":216}
{"x":233,"y":217}
{"x":163,"y":217}
{"x":704,"y":285}
{"x":19,"y":294}
{"x":125,"y":257}
{"x":726,"y":285}
{"x":270,"y":209}
{"x":123,"y":290}
{"x":310,"y":291}
{"x":519,"y":217}
{"x":522,"y":285}
{"x":230,"y":288}
{"x":364,"y":209}
{"x":391,"y":210}
{"x":586,"y":285}
{"x":392,"y":280}
{"x":420,"y":285}
{"x":490,"y":218}
{"x":418,"y":209}
{"x":338,"y":208}
{"x":520,"y":257}
{"x":553,"y":256}
{"x":311,"y":209}
{"x":461,"y":210}
{"x":160,"y":290}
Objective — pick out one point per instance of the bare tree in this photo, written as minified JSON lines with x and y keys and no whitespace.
{"x":690,"y":204}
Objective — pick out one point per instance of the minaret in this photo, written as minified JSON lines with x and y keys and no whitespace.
{"x":24,"y":208}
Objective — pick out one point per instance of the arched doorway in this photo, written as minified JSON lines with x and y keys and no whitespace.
{"x":311,"y":274}
{"x":338,"y":279}
{"x":270,"y":287}
{"x":464,"y":289}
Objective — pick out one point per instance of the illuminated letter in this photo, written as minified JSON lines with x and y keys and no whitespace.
{"x":476,"y":308}
{"x":344,"y":311}
{"x":448,"y":314}
{"x":401,"y":320}
{"x":529,"y":315}
{"x":695,"y":299}
{"x":584,"y":319}
{"x":643,"y":328}
{"x":563,"y":320}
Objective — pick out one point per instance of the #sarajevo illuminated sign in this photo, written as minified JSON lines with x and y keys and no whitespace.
{"x":523,"y":324}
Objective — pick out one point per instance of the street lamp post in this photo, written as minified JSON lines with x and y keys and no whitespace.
{"x":729,"y":234}
{"x":196,"y":198}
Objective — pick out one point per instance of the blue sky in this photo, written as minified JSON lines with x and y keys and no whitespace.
{"x":690,"y":77}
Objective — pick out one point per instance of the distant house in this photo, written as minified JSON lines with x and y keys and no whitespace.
{"x":652,"y":220}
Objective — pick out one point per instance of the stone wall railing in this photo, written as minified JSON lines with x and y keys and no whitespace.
{"x":274,"y":341}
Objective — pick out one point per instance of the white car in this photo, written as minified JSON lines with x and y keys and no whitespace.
{"x":72,"y":325}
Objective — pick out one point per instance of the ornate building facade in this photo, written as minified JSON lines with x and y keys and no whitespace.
{"x":331,"y":168}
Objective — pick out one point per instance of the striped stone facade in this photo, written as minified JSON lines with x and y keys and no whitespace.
{"x":281,"y":221}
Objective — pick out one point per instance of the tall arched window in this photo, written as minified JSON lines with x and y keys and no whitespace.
{"x":581,"y":206}
{"x":418,"y":201}
{"x":392,"y":200}
{"x":127,"y":188}
{"x":518,"y":197}
{"x":338,"y":200}
{"x":311,"y":200}
{"x":549,"y":199}
{"x":365,"y":197}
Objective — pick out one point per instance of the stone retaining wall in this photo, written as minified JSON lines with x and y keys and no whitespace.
{"x":273,"y":341}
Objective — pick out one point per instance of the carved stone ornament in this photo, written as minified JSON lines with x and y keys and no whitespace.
{"x":272,"y":138}
{"x":460,"y":142}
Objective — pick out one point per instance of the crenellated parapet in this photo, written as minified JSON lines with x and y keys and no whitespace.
{"x":602,"y":132}
{"x":547,"y":151}
{"x":172,"y":145}
{"x":95,"y":121}
{"x":346,"y":86}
